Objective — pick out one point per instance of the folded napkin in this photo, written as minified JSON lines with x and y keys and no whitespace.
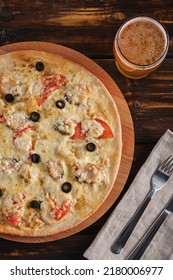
{"x":161,"y":246}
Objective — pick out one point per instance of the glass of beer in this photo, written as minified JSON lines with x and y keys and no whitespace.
{"x":140,"y":46}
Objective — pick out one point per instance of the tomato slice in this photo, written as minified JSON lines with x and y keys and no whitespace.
{"x":51,"y":82}
{"x":107,"y":133}
{"x":20,"y":132}
{"x":78,"y":133}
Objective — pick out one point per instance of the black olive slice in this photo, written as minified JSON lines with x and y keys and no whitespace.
{"x":35,"y":204}
{"x":34,"y":117}
{"x":1,"y":192}
{"x":60,"y":104}
{"x":39,"y":66}
{"x":9,"y":97}
{"x":66,"y":187}
{"x":90,"y":147}
{"x":35,"y":158}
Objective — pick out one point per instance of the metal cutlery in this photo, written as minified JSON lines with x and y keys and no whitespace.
{"x":145,"y":241}
{"x":158,"y":181}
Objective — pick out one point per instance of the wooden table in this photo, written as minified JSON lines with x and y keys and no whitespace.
{"x":89,"y":27}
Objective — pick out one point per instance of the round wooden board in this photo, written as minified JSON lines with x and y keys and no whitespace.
{"x":127,"y":132}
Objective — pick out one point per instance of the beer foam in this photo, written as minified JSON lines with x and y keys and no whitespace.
{"x":142,"y":41}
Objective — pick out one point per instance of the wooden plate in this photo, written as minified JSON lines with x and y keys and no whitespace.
{"x":126,"y":123}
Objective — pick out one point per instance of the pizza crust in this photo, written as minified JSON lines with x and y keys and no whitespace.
{"x":86,"y":98}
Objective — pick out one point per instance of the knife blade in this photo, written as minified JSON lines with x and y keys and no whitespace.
{"x":138,"y":251}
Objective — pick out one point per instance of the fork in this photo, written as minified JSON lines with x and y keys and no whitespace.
{"x":158,"y":181}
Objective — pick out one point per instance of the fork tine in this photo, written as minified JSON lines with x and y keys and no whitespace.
{"x":167,"y":166}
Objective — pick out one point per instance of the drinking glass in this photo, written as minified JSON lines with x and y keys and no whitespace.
{"x":140,"y":46}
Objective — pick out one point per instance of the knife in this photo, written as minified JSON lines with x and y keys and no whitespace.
{"x":138,"y":251}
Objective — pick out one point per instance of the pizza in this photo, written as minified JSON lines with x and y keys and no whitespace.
{"x":60,"y":143}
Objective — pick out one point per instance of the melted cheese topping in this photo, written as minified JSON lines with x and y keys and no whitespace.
{"x":92,"y":129}
{"x":62,"y":159}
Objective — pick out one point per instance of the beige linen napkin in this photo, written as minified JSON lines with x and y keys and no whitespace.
{"x":161,"y":247}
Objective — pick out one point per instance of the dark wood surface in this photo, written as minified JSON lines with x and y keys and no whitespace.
{"x":89,"y":27}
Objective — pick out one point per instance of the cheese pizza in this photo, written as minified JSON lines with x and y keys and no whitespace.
{"x":60,"y":143}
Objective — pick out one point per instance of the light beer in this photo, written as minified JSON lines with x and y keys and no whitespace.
{"x":140,"y":46}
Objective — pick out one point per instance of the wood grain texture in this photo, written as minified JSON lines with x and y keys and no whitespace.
{"x":126,"y":124}
{"x":86,"y":26}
